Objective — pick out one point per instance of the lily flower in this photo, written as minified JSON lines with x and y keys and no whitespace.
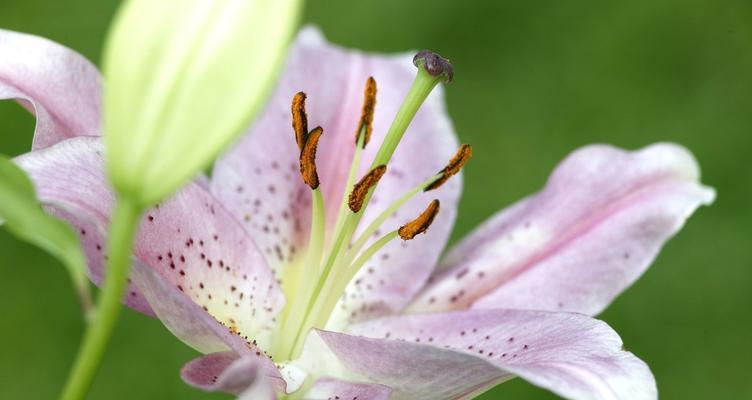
{"x":304,"y":271}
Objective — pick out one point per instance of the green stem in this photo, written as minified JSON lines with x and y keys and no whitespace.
{"x":122,"y":231}
{"x":84,"y":297}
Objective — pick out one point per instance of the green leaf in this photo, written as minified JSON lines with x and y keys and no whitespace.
{"x":24,"y":217}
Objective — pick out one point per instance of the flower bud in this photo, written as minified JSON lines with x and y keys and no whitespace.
{"x":183,"y":78}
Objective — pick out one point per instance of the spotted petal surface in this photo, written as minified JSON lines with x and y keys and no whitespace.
{"x":190,"y":241}
{"x":589,"y":234}
{"x":58,"y":85}
{"x":453,"y":355}
{"x":258,"y":179}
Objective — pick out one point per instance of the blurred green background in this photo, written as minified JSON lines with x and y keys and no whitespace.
{"x":534,"y":81}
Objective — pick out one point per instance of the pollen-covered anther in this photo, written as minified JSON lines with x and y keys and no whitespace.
{"x":299,"y":119}
{"x":365,"y":125}
{"x":360,"y":189}
{"x":420,"y":224}
{"x":308,"y":158}
{"x":453,"y":167}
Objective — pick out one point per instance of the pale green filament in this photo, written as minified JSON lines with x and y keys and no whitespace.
{"x":322,"y":276}
{"x":345,"y":269}
{"x":310,"y":291}
{"x":343,"y":209}
{"x":123,"y":229}
{"x":334,"y":287}
{"x":296,"y":314}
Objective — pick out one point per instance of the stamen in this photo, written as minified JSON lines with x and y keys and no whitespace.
{"x":357,"y":194}
{"x":299,"y":119}
{"x":365,"y":126}
{"x":308,"y":158}
{"x":420,"y":224}
{"x":453,"y":167}
{"x":360,"y":190}
{"x":308,"y":144}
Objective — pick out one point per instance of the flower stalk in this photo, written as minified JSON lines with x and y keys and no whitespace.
{"x":122,"y":231}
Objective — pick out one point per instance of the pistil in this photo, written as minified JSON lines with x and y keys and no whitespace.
{"x":323,"y":276}
{"x":432,"y":70}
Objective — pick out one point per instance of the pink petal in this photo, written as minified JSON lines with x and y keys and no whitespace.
{"x":93,"y":241}
{"x":259,"y":181}
{"x":589,"y":234}
{"x":328,"y":389}
{"x":259,"y":390}
{"x":76,"y":164}
{"x":58,"y":85}
{"x":230,"y":373}
{"x":184,"y":318}
{"x":226,"y":372}
{"x":191,"y":242}
{"x":412,"y":371}
{"x":451,"y":355}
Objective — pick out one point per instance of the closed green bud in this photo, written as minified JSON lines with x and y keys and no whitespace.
{"x":183,"y":78}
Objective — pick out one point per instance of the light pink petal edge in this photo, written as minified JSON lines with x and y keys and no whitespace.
{"x":61,"y":87}
{"x":453,"y":355}
{"x":588,"y":235}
